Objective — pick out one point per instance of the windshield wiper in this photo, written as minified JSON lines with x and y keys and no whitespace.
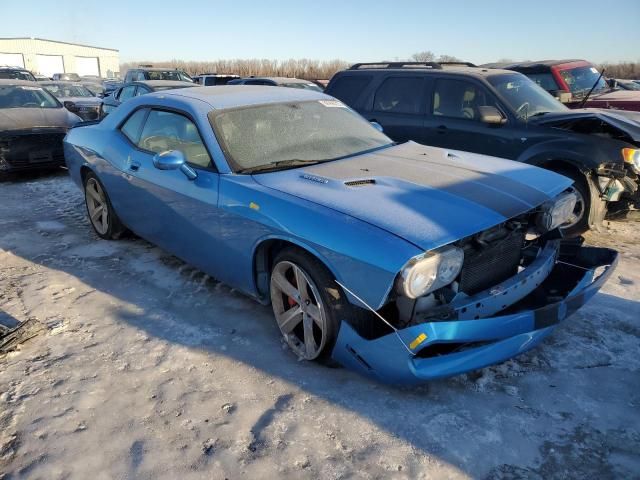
{"x":279,"y":165}
{"x":586,"y":97}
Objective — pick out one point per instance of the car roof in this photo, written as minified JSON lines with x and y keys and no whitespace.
{"x":11,"y":81}
{"x":233,"y":96}
{"x":458,"y":69}
{"x":160,"y":83}
{"x":157,"y":69}
{"x":531,"y":64}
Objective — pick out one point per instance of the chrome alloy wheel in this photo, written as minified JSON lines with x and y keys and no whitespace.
{"x":298,"y":309}
{"x":578,"y":210}
{"x":97,"y":206}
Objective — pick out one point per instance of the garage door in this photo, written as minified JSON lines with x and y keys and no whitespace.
{"x":12,"y":59}
{"x":87,"y":66}
{"x":49,"y":64}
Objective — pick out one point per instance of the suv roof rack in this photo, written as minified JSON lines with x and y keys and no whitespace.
{"x":458,"y":64}
{"x":358,"y":66}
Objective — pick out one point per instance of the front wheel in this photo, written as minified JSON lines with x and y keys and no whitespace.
{"x":308,"y":304}
{"x":103,"y":218}
{"x":590,"y":209}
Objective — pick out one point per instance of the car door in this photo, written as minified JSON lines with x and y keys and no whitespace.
{"x":165,"y":207}
{"x":453,"y":119}
{"x":399,"y":106}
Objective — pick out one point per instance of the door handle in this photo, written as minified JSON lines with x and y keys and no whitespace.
{"x":441,"y":129}
{"x":135,"y":166}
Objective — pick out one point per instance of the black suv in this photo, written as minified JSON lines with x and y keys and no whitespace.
{"x":503,"y":114}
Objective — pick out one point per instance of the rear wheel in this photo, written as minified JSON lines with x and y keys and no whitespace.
{"x":308,"y":304}
{"x":103,"y":218}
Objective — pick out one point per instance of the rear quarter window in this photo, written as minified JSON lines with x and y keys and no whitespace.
{"x":348,"y":88}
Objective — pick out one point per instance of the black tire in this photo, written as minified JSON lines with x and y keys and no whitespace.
{"x":336,"y":307}
{"x":594,"y":207}
{"x":114,"y":227}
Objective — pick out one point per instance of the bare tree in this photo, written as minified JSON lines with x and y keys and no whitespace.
{"x":448,"y":58}
{"x":426,"y":56}
{"x":299,"y":68}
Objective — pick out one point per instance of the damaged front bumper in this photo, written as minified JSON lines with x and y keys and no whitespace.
{"x":530,"y":304}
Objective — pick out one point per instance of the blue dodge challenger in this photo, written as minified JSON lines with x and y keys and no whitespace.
{"x":403,"y":262}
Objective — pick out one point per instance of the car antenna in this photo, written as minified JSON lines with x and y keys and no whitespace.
{"x":586,"y":97}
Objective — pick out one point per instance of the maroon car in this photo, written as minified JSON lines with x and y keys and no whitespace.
{"x":576,"y":77}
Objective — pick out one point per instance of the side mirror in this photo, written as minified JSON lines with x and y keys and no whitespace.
{"x":174,"y":160}
{"x":377,"y":126}
{"x":491,"y":115}
{"x":70,"y":106}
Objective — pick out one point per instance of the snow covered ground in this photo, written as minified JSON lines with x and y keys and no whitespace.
{"x":147,"y":368}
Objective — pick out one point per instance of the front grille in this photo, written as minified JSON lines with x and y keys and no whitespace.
{"x":487,"y":265}
{"x":25,"y":150}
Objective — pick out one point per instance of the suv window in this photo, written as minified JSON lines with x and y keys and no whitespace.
{"x":171,"y":131}
{"x":545,"y":80}
{"x":459,"y":99}
{"x":349,"y":87}
{"x":399,"y":95}
{"x":132,"y":127}
{"x":126,"y":93}
{"x":140,"y":76}
{"x":208,"y":81}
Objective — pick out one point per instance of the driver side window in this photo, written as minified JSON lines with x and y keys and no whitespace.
{"x":459,"y":99}
{"x":165,"y":131}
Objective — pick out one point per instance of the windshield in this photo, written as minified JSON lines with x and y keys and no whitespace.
{"x":17,"y":75}
{"x":306,"y":86}
{"x":581,"y":79}
{"x":63,"y":90}
{"x":524,"y":96}
{"x":312,"y":131}
{"x":25,"y":96}
{"x":168,"y":75}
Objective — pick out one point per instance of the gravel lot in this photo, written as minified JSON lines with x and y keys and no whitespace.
{"x":147,"y":368}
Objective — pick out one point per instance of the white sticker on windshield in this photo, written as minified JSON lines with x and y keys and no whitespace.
{"x":332,"y":103}
{"x":25,"y":87}
{"x":593,"y":69}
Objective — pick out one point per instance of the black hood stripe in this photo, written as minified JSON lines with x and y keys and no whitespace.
{"x":500,"y":194}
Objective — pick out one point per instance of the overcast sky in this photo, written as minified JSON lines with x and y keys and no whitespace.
{"x":356,"y":30}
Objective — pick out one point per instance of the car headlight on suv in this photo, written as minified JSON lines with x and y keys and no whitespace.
{"x":632,"y":157}
{"x":557,"y":212}
{"x":429,"y":271}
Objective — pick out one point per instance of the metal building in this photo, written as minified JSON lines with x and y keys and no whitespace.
{"x":50,"y":56}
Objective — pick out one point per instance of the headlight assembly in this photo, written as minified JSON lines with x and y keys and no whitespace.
{"x":557,"y":212}
{"x":428,"y":272}
{"x":632,"y":157}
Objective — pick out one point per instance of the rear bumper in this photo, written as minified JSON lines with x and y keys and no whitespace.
{"x":438,"y":349}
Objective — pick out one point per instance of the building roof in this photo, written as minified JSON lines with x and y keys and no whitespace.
{"x":58,"y":41}
{"x":233,"y":96}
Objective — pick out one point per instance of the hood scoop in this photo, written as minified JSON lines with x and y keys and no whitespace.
{"x":360,"y":183}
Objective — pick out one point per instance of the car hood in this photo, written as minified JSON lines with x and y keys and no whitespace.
{"x":617,"y":96}
{"x":625,"y":120}
{"x":24,"y":118}
{"x":427,"y":196}
{"x":87,"y":101}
